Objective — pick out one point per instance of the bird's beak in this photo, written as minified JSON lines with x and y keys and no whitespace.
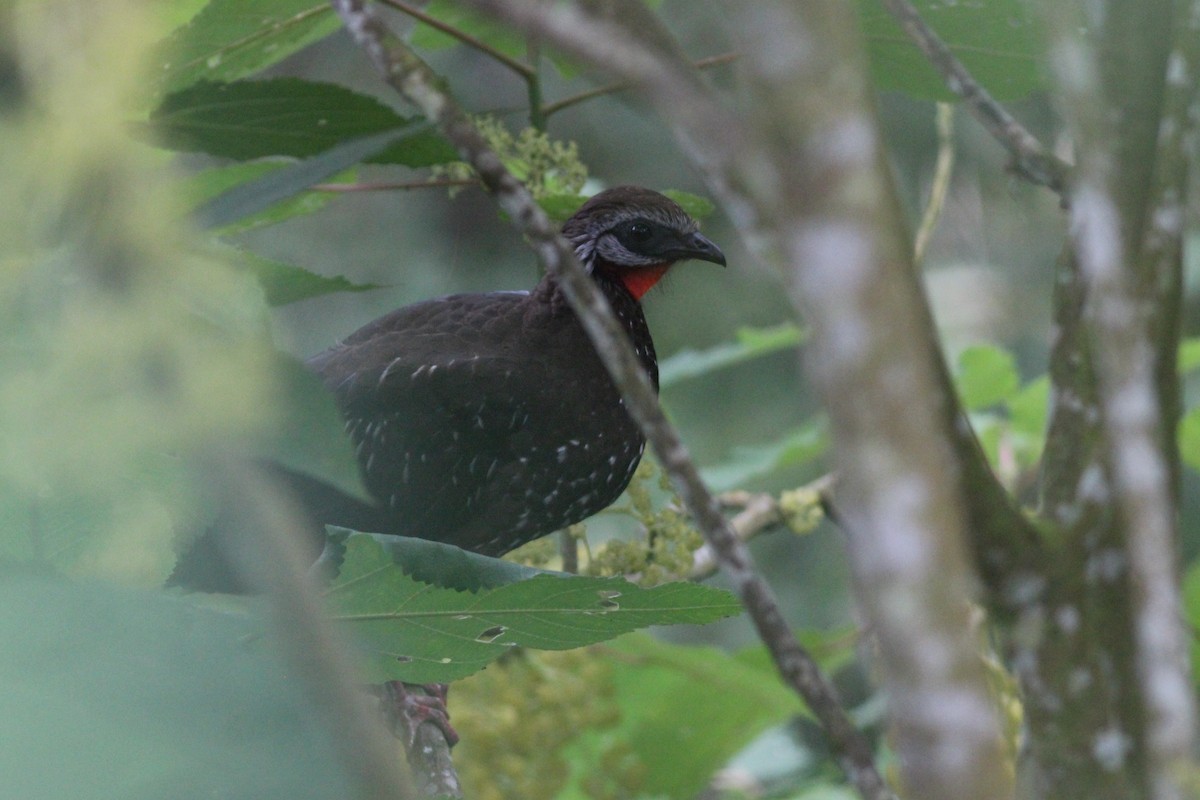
{"x":699,"y":247}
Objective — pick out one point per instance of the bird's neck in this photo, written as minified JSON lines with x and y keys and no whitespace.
{"x":625,"y":305}
{"x":642,"y":279}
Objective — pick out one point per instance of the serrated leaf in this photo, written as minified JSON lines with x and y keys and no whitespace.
{"x":695,"y":205}
{"x":996,"y":41}
{"x":421,"y":633}
{"x":275,"y":117}
{"x":799,"y":446}
{"x":986,"y":375}
{"x":230,"y":39}
{"x":139,"y":695}
{"x":751,"y":343}
{"x":287,"y":283}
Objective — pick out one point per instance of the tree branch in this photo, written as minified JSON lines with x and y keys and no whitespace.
{"x":800,"y":182}
{"x":759,"y":513}
{"x":394,"y":186}
{"x":415,"y":81}
{"x":1030,"y":158}
{"x":1107,"y":242}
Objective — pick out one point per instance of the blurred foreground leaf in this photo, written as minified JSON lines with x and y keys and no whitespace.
{"x":117,"y":693}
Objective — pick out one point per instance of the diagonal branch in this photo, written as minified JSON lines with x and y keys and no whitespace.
{"x":1030,"y":158}
{"x":408,"y":75}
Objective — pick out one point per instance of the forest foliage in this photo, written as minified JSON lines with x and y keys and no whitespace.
{"x":139,"y":365}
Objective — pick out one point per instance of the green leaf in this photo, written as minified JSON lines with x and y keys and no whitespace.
{"x":448,"y":566}
{"x":478,"y":26}
{"x":987,"y":375}
{"x":277,"y":117}
{"x":687,"y":710}
{"x":251,"y":198}
{"x":1189,"y":354}
{"x":996,"y":41}
{"x":751,"y":343}
{"x":800,"y":446}
{"x":1191,"y":608}
{"x":139,"y":695}
{"x":560,"y":207}
{"x":421,"y":633}
{"x":695,"y":205}
{"x":207,"y":184}
{"x":230,"y":39}
{"x":1189,"y":438}
{"x":287,"y":283}
{"x":1027,"y":412}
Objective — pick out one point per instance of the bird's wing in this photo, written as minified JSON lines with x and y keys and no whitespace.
{"x":435,"y":398}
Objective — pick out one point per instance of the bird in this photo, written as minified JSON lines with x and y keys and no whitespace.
{"x":486,"y":421}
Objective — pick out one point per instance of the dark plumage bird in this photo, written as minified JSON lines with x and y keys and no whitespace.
{"x":487,"y":420}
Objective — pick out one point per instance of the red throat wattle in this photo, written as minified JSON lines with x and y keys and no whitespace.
{"x":640,"y":280}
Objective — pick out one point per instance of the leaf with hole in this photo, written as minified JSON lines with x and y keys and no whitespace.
{"x":417,"y":632}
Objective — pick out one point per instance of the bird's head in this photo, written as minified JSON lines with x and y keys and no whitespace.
{"x":634,"y":235}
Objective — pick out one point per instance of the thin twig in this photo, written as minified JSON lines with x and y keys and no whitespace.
{"x":940,"y":186}
{"x":386,"y":186}
{"x":621,"y":86}
{"x":760,"y":512}
{"x":524,"y":70}
{"x":410,"y":76}
{"x":1030,"y":158}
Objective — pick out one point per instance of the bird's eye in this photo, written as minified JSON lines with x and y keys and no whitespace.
{"x":639,"y":232}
